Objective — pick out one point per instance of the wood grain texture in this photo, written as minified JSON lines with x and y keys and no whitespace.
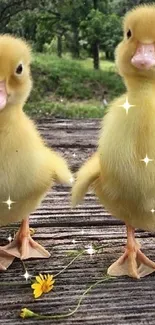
{"x":59,"y":228}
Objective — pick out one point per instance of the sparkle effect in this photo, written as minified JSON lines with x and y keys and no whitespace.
{"x":9,"y":202}
{"x":71,"y":180}
{"x":126,"y":105}
{"x":10,"y":238}
{"x":152,"y":210}
{"x":27,"y":275}
{"x":90,"y":250}
{"x":146,"y":160}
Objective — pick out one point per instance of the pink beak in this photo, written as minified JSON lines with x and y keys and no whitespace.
{"x":3,"y":95}
{"x":144,"y":57}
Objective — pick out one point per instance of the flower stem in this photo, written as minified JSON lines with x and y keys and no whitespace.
{"x":65,"y":315}
{"x":24,"y":267}
{"x":72,"y":261}
{"x":75,"y":258}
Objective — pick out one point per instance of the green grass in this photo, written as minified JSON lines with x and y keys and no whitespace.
{"x":67,"y":109}
{"x":71,"y":88}
{"x":104,"y":65}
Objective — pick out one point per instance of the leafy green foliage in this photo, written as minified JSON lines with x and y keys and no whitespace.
{"x":70,"y":79}
{"x":120,"y":7}
{"x":69,"y":20}
{"x":67,"y":88}
{"x":92,"y":27}
{"x":11,"y":8}
{"x":84,"y":25}
{"x":112,"y":34}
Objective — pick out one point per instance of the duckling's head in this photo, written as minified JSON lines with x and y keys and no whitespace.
{"x":15,"y":78}
{"x":135,"y":55}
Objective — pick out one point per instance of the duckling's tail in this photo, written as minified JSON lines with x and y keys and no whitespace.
{"x":61,"y":171}
{"x":87,"y":174}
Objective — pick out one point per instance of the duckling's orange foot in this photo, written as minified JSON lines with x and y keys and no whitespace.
{"x":23,"y":246}
{"x":5,"y":260}
{"x":133,"y":262}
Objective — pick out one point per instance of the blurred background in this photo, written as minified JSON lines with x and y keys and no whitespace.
{"x":73,"y":44}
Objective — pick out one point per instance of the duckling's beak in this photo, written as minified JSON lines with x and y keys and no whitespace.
{"x":144,"y":57}
{"x":3,"y":94}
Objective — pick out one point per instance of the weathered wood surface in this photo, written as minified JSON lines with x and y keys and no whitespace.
{"x":59,"y":228}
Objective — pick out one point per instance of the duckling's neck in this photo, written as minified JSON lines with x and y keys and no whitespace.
{"x":11,"y":114}
{"x":141,"y":90}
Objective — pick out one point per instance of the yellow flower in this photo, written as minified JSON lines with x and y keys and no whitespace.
{"x":43,"y":284}
{"x":26,"y":313}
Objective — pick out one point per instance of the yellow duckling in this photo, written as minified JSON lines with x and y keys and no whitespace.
{"x":28,"y":167}
{"x":122,"y":171}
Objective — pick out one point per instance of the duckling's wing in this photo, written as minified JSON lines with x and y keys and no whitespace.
{"x":59,"y":168}
{"x":87,"y":174}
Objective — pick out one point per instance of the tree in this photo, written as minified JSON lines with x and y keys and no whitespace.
{"x":111,"y":34}
{"x":120,"y":7}
{"x":88,"y":22}
{"x":92,"y":29}
{"x":23,"y":24}
{"x":72,"y":13}
{"x":10,"y":8}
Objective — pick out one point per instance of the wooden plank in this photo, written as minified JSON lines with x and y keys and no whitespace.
{"x":121,"y":301}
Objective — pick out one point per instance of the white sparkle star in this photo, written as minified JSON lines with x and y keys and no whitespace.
{"x":74,"y":155}
{"x":126,"y":105}
{"x":90,"y":250}
{"x":71,"y":180}
{"x":27,"y":275}
{"x":10,"y":238}
{"x":73,"y":241}
{"x":146,"y":160}
{"x":9,"y":202}
{"x":152,"y":210}
{"x":82,"y":231}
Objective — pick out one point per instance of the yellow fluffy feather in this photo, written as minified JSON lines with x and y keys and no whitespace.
{"x":89,"y":172}
{"x":28,"y":168}
{"x":123,"y":182}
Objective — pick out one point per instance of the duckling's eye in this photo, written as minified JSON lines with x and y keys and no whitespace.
{"x":129,"y":34}
{"x":19,"y":69}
